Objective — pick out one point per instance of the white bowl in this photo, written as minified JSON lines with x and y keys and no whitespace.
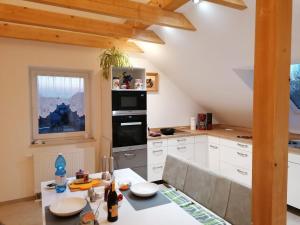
{"x":67,"y":206}
{"x":144,"y":189}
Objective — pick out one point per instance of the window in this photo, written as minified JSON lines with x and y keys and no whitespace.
{"x":295,"y":86}
{"x":59,"y":103}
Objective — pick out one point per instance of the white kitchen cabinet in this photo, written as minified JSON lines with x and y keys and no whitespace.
{"x":213,"y":140}
{"x":214,"y":157}
{"x":182,"y":151}
{"x":157,"y":155}
{"x":235,"y":144}
{"x":236,"y":156}
{"x":181,"y":141}
{"x":155,"y":172}
{"x":293,"y":197}
{"x":237,"y":174}
{"x":201,"y":150}
{"x":157,"y":143}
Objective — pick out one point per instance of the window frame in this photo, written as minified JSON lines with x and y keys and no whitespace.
{"x":34,"y":73}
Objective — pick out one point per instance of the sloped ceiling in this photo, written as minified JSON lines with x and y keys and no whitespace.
{"x":205,"y":63}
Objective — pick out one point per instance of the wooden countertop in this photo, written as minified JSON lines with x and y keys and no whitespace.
{"x":222,"y":131}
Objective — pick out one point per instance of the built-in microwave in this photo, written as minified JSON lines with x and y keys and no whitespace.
{"x":129,"y":101}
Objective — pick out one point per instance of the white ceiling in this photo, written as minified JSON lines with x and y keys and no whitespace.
{"x":203,"y":62}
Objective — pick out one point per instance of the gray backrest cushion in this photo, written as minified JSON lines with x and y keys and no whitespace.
{"x":239,"y":205}
{"x":200,"y":185}
{"x":219,"y":200}
{"x":175,"y":172}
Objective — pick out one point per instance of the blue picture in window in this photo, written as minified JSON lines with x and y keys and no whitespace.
{"x":295,"y":85}
{"x":60,"y":104}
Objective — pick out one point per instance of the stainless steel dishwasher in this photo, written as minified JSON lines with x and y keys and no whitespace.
{"x":133,"y":159}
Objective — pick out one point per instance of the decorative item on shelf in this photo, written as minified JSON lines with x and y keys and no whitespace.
{"x":123,"y":86}
{"x":127,"y":78}
{"x":116,"y":83}
{"x":152,"y":82}
{"x":138,"y":85}
{"x":113,"y":57}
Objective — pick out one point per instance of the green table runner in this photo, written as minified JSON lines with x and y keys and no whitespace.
{"x":200,"y":213}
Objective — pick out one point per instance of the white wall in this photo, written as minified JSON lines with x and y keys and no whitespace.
{"x":169,"y":107}
{"x":202,"y":63}
{"x":15,"y":134}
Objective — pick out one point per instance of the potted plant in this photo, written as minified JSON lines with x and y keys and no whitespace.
{"x":113,"y":57}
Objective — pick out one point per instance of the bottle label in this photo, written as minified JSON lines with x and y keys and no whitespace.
{"x":114,"y":211}
{"x":60,"y":180}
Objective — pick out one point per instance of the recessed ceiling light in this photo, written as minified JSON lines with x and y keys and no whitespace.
{"x":196,"y":1}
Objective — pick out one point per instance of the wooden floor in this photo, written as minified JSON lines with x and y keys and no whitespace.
{"x":22,"y":213}
{"x":30,"y":213}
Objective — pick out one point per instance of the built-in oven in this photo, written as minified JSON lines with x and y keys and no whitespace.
{"x":129,"y":132}
{"x":123,"y":100}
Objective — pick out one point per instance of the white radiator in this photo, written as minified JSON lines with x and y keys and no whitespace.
{"x":76,"y":158}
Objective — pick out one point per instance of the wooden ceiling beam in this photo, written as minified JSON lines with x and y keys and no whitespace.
{"x":126,"y":9}
{"x":10,"y":30}
{"x":171,"y":5}
{"x":28,"y":16}
{"x":236,"y":4}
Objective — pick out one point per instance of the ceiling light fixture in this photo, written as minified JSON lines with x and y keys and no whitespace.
{"x":196,"y":1}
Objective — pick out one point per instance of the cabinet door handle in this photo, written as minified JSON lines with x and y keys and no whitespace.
{"x":244,"y":173}
{"x":156,"y":151}
{"x":242,"y":154}
{"x":181,"y":148}
{"x":131,"y":124}
{"x":157,"y":167}
{"x":213,"y":146}
{"x":181,"y":140}
{"x":242,"y":145}
{"x":129,"y":155}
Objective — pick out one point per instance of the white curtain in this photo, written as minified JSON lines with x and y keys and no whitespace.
{"x":56,"y":90}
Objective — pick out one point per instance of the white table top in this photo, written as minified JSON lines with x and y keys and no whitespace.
{"x":161,"y":215}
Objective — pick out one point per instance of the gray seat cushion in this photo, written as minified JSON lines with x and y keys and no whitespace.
{"x":219,"y":200}
{"x":239,"y":205}
{"x":200,"y":185}
{"x":175,"y":172}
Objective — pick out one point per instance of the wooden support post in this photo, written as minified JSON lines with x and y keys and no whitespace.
{"x":271,"y":111}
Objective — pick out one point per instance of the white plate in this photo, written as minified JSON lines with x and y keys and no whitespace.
{"x":144,"y":189}
{"x":67,"y":206}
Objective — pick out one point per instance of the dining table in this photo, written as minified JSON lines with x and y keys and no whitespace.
{"x":165,"y":214}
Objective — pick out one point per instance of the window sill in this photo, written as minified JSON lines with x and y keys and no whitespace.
{"x":61,"y":141}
